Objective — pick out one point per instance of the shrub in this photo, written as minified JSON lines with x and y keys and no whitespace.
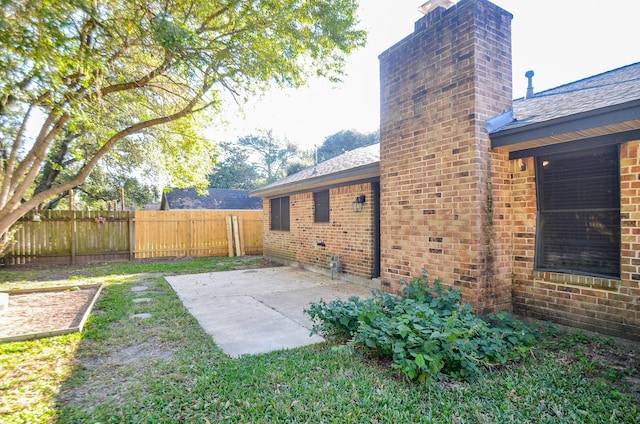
{"x":336,"y":320}
{"x":427,"y":332}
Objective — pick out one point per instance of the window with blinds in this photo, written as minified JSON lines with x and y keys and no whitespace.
{"x":321,"y":206}
{"x":280,"y":214}
{"x":578,"y":229}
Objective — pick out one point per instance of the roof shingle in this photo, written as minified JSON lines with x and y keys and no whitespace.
{"x":362,"y":157}
{"x":611,"y":88}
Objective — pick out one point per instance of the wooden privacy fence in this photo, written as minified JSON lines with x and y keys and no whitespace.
{"x":197,"y":233}
{"x":63,"y":237}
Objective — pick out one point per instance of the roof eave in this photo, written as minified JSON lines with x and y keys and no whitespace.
{"x":510,"y":139}
{"x":345,"y":177}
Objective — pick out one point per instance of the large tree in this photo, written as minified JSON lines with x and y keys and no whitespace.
{"x":174,"y":153}
{"x":273,"y":156}
{"x":99,"y":72}
{"x":103,"y":187}
{"x":343,"y":141}
{"x":235,"y":169}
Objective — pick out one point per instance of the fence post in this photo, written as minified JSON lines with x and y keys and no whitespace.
{"x":236,"y":235}
{"x":229,"y":235}
{"x":190,"y":228}
{"x":73,"y":238}
{"x":132,"y":235}
{"x":242,"y":235}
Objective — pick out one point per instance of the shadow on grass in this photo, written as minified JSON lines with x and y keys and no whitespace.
{"x":132,"y":351}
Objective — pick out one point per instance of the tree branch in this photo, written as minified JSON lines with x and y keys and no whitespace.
{"x":10,"y":214}
{"x":10,"y":164}
{"x":20,"y":187}
{"x":141,"y":82}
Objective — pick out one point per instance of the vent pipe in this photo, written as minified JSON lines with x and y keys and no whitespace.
{"x":529,"y":76}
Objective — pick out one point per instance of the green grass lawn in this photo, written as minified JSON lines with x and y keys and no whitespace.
{"x":166,"y":369}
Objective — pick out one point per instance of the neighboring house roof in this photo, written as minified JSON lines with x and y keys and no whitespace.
{"x":215,"y":199}
{"x":601,"y":105}
{"x":358,"y":165}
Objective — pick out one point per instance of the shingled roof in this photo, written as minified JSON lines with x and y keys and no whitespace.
{"x":599,"y":105}
{"x":215,"y":199}
{"x":358,"y":165}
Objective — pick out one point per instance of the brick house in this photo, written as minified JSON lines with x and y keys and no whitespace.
{"x":530,"y":205}
{"x":311,"y":216}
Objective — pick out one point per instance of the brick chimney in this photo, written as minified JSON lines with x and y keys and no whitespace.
{"x":444,"y":192}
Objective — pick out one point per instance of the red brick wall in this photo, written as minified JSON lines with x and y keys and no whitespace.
{"x":598,"y":304}
{"x":444,"y":193}
{"x":349,"y":233}
{"x":524,"y":209}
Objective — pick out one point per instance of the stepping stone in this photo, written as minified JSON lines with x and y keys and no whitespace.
{"x":142,"y":300}
{"x":141,"y":316}
{"x":139,"y":288}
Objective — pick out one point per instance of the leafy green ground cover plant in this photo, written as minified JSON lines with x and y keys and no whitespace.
{"x":427,"y":332}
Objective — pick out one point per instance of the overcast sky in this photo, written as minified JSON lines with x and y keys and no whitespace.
{"x":561,"y":40}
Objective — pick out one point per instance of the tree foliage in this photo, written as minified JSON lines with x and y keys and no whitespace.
{"x":92,"y":75}
{"x":302,"y":162}
{"x":235,"y":169}
{"x":344,"y":141}
{"x":274,"y":156}
{"x":175,"y":152}
{"x":103,"y":187}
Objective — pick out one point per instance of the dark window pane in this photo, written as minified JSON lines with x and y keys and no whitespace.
{"x":582,"y":180}
{"x":280,"y":214}
{"x":284,"y":208}
{"x":579,"y":212}
{"x":581,"y":241}
{"x":275,"y":214}
{"x":321,"y":206}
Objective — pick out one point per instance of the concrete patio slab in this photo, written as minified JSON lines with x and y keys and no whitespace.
{"x":259,"y":310}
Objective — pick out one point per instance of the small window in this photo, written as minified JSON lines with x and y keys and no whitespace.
{"x":578,"y":229}
{"x":280,"y":214}
{"x":321,"y":206}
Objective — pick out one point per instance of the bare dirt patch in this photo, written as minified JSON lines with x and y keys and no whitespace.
{"x":44,"y":312}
